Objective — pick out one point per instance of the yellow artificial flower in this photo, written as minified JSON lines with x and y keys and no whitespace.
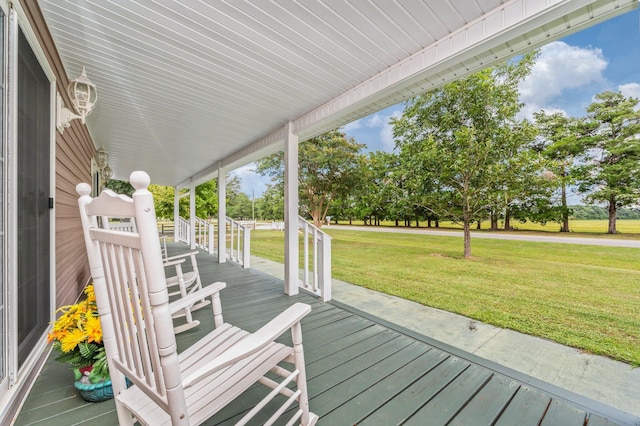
{"x":72,"y":339}
{"x":93,"y":330}
{"x":77,"y":336}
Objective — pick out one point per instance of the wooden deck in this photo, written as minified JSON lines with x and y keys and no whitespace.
{"x":360,"y":370}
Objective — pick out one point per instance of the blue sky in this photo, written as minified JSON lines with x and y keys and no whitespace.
{"x":567,"y":75}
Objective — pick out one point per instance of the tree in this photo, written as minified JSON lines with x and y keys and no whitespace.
{"x":612,"y":174}
{"x":163,"y":199}
{"x":240,"y":206}
{"x":206,"y":199}
{"x":461,"y":134}
{"x":521,"y":183}
{"x":561,"y":146}
{"x":328,"y":169}
{"x":162,"y":196}
{"x":271,"y":205}
{"x":120,"y":187}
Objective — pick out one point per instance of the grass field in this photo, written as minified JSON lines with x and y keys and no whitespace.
{"x":587,"y":297}
{"x":594,"y":228}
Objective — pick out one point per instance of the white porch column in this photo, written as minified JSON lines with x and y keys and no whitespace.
{"x":290,"y":211}
{"x":192,"y":215}
{"x":222,"y":215}
{"x":176,"y":212}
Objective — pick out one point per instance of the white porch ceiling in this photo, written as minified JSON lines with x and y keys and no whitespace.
{"x":186,"y":85}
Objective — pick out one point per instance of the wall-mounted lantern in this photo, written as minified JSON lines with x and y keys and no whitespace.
{"x":83,"y":96}
{"x":101,"y":160}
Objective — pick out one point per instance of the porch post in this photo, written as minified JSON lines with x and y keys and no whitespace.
{"x":222,"y":215}
{"x":176,"y":213}
{"x":290,"y":211}
{"x":192,"y":215}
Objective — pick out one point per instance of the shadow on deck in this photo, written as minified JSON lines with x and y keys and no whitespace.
{"x":361,"y":370}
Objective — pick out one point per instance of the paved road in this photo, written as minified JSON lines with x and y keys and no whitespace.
{"x":498,"y":236}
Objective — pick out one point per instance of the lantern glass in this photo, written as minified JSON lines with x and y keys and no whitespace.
{"x":107,"y":173}
{"x":83,"y":94}
{"x":101,"y":157}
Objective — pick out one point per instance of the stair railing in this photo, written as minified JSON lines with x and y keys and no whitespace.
{"x":239,"y":238}
{"x":316,"y":269}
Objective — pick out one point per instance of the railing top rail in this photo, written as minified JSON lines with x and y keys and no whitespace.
{"x":232,"y":221}
{"x":303,"y":221}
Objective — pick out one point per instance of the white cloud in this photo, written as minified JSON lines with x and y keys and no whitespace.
{"x":558,"y":68}
{"x":376,"y":120}
{"x":374,"y":130}
{"x":630,"y":90}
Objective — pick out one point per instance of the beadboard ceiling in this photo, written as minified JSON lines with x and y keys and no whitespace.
{"x":187,"y":85}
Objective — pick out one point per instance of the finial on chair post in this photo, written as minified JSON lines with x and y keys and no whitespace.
{"x":139,"y":180}
{"x":83,"y":189}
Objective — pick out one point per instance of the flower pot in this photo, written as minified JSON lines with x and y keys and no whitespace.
{"x":95,"y":392}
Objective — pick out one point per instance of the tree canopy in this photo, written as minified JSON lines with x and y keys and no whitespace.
{"x":460,"y":140}
{"x":328,"y":169}
{"x":611,"y":173}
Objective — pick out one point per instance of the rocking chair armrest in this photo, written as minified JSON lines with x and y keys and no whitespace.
{"x":180,"y":256}
{"x":173,"y":263}
{"x":194,"y":297}
{"x":252,"y":343}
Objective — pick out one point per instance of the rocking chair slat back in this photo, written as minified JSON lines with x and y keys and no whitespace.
{"x":132,"y":313}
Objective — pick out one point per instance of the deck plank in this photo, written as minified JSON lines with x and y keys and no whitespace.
{"x":595,"y":420}
{"x":406,"y":403}
{"x":447,"y":403}
{"x":361,"y":370}
{"x":489,"y":403}
{"x":344,"y":392}
{"x":526,"y":408}
{"x":385,"y":390}
{"x":560,"y":413}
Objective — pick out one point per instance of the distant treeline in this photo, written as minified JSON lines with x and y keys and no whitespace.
{"x":597,"y":212}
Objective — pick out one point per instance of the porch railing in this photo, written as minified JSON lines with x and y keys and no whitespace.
{"x":182,"y":227}
{"x":239,"y":237}
{"x":316,"y":269}
{"x":204,"y":234}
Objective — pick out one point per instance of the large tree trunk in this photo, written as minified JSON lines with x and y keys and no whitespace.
{"x":612,"y":216}
{"x":494,"y":220}
{"x":565,"y":211}
{"x":315,"y":215}
{"x":507,"y":220}
{"x":466,"y":215}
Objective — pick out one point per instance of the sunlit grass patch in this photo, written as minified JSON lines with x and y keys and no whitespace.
{"x":583,"y":296}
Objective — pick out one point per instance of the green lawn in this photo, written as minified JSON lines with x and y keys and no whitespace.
{"x":628,"y":228}
{"x":587,"y":297}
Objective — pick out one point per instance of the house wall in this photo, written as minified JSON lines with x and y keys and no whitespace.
{"x":74,"y":149}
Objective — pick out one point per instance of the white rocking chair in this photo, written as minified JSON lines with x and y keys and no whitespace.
{"x":187,"y":282}
{"x":136,"y":319}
